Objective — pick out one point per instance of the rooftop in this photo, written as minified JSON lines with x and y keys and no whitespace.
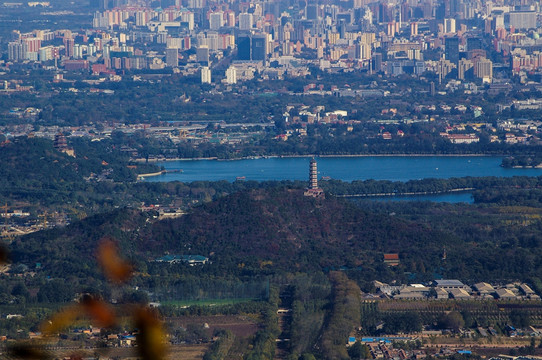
{"x":459,"y":293}
{"x":456,"y":283}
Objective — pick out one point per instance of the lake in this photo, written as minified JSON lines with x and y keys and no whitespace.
{"x":394,"y":168}
{"x":454,"y":197}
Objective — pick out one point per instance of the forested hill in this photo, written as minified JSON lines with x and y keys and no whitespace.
{"x":32,"y":169}
{"x":275,"y":228}
{"x":72,"y":250}
{"x":283,"y":228}
{"x":279,"y":229}
{"x":35,"y":174}
{"x":29,"y":163}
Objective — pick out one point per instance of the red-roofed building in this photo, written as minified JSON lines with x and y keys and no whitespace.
{"x":391,"y":259}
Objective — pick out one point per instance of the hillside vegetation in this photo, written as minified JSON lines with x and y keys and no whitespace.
{"x":278,"y":229}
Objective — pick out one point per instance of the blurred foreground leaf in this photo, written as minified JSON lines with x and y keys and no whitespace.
{"x":151,"y":339}
{"x":114,"y":267}
{"x":4,"y":254}
{"x":60,"y":321}
{"x":99,"y":312}
{"x":27,"y":351}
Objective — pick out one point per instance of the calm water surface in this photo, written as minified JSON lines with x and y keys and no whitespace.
{"x":394,"y":168}
{"x":456,"y":197}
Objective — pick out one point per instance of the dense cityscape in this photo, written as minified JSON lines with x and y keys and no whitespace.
{"x":230,"y":42}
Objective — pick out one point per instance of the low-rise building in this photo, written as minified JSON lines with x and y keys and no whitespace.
{"x":391,"y":259}
{"x":484,"y":288}
{"x":441,"y":293}
{"x":412,"y":292}
{"x":449,"y":284}
{"x":505,"y":294}
{"x":187,"y":259}
{"x":462,"y":138}
{"x":526,"y":290}
{"x":459,"y":294}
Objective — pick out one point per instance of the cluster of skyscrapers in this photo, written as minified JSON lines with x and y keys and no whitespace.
{"x":391,"y":36}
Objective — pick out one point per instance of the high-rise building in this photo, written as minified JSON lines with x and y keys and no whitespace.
{"x":195,"y":4}
{"x":465,"y":69}
{"x":474,"y":43}
{"x":498,"y":21}
{"x":345,"y":17}
{"x":91,"y":50}
{"x":415,"y":54}
{"x":16,"y":50}
{"x":259,"y":47}
{"x":187,"y":43}
{"x":77,"y":51}
{"x":444,"y":68}
{"x":188,"y":19}
{"x":141,"y":18}
{"x":226,"y":41}
{"x":272,"y":8}
{"x":202,"y":55}
{"x":106,"y":51}
{"x":521,"y":19}
{"x":451,"y":49}
{"x":46,"y":53}
{"x":231,"y":75}
{"x":98,"y":43}
{"x":216,"y":20}
{"x":449,"y":26}
{"x":174,"y":43}
{"x":230,"y":18}
{"x":205,"y":75}
{"x":312,"y":11}
{"x":245,"y":21}
{"x":172,"y":57}
{"x":320,"y":52}
{"x":413,"y":29}
{"x":69,"y":44}
{"x":244,"y":44}
{"x":363,"y":51}
{"x":484,"y":69}
{"x":212,"y":41}
{"x":32,"y":44}
{"x":391,"y":29}
{"x":162,"y":37}
{"x":377,"y":62}
{"x":201,"y":39}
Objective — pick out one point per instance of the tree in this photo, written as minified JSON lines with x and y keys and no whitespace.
{"x":519,"y":318}
{"x":55,"y":291}
{"x":359,"y":351}
{"x":137,"y":297}
{"x":20,"y":290}
{"x":453,"y":320}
